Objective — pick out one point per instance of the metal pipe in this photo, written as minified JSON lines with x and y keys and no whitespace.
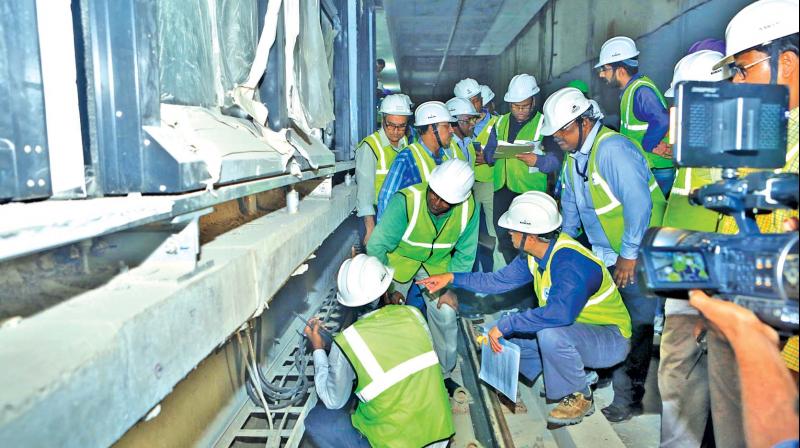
{"x":447,"y":47}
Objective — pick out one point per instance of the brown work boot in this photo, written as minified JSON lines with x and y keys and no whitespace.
{"x":570,"y":410}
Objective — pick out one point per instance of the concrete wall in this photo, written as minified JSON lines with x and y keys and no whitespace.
{"x":662,"y":29}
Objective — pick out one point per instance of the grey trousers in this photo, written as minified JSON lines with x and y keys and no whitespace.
{"x":713,"y":386}
{"x":441,"y":321}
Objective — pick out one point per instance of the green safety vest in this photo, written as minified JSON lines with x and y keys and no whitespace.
{"x":632,"y":127}
{"x":484,"y":172}
{"x":605,"y":307}
{"x":679,"y":212}
{"x":607,"y":207}
{"x":384,"y":156}
{"x":421,"y":244}
{"x":425,"y":163}
{"x":400,"y":385}
{"x":512,"y":173}
{"x":458,"y":153}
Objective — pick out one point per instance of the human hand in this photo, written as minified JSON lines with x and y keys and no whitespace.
{"x":625,"y":272}
{"x":312,"y":332}
{"x":369,"y":226}
{"x":664,"y":150}
{"x":450,"y":299}
{"x":735,"y":322}
{"x":395,"y":298}
{"x":494,"y":339}
{"x":436,"y":282}
{"x":528,"y":158}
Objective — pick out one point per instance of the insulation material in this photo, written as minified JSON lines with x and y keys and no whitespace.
{"x":237,"y":24}
{"x":186,"y":62}
{"x":312,"y":69}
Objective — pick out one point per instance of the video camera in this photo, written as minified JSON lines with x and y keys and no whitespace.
{"x":729,"y":126}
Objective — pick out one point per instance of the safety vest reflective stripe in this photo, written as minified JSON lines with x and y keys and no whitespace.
{"x":421,"y":158}
{"x":381,"y":380}
{"x":637,"y":127}
{"x":791,"y":154}
{"x":378,"y":148}
{"x":628,"y":105}
{"x":412,"y":223}
{"x":597,"y":179}
{"x":686,"y":188}
{"x":579,"y":247}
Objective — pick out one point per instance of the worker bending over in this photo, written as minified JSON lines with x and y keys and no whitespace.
{"x":375,"y":155}
{"x":611,"y":193}
{"x":414,"y":164}
{"x":403,"y":402}
{"x":430,"y":229}
{"x":581,"y":320}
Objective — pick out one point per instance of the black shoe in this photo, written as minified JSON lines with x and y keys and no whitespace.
{"x":615,"y":413}
{"x":451,"y":386}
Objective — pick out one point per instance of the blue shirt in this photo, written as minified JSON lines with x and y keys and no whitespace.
{"x":625,"y":170}
{"x":463,"y":144}
{"x":574,"y":277}
{"x":647,"y":107}
{"x":482,"y":124}
{"x":404,"y":173}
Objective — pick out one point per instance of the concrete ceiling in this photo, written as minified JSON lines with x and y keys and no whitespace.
{"x":419,"y":31}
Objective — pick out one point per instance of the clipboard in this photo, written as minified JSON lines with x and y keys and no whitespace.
{"x":506,"y":150}
{"x":501,"y":370}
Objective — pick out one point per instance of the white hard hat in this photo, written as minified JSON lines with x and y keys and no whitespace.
{"x":467,"y":88}
{"x":562,"y":107}
{"x":362,"y":279}
{"x":521,"y":87}
{"x":395,"y":105}
{"x":759,"y":23}
{"x":617,"y":49}
{"x":431,"y":112}
{"x":452,"y":181}
{"x":598,"y":113}
{"x":460,"y":106}
{"x":532,"y":212}
{"x":697,"y":66}
{"x":407,"y":98}
{"x":486,"y":94}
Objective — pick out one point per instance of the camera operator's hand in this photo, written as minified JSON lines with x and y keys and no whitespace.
{"x":625,"y":272}
{"x":734,"y":322}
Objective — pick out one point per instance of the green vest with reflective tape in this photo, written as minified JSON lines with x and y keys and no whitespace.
{"x":399,"y":381}
{"x":605,"y":307}
{"x":484,"y":172}
{"x":384,"y":156}
{"x":679,"y":212}
{"x":607,"y":207}
{"x":632,"y":127}
{"x":425,"y":163}
{"x":513,"y":173}
{"x":421,"y":244}
{"x":458,"y":153}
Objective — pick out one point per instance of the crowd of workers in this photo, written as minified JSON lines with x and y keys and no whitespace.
{"x":566,"y":216}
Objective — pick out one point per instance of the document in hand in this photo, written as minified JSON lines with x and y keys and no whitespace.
{"x":506,"y":150}
{"x":500,"y":370}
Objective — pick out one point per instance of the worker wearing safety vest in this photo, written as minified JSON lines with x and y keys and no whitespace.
{"x":761,"y":47}
{"x":375,"y":155}
{"x":580,"y":321}
{"x":521,"y":173}
{"x":415,"y":163}
{"x":643,"y":110}
{"x":683,"y":379}
{"x":464,"y":118}
{"x":483,"y":189}
{"x":429,"y":229}
{"x":402,"y":399}
{"x":611,"y":193}
{"x":487,"y":98}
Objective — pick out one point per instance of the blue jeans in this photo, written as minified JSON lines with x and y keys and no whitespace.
{"x":629,"y":378}
{"x":665,"y":177}
{"x":332,"y":428}
{"x":562,"y":353}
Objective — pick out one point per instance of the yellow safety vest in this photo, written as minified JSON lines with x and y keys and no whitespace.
{"x":384,"y":156}
{"x":514,"y":174}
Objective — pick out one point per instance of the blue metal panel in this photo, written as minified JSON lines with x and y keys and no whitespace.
{"x":24,"y":162}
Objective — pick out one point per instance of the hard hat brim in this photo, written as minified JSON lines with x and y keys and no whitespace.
{"x":723,"y":62}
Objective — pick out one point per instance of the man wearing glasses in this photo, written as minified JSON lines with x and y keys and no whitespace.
{"x":643,"y":111}
{"x":375,"y":155}
{"x":611,"y":193}
{"x":464,"y":119}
